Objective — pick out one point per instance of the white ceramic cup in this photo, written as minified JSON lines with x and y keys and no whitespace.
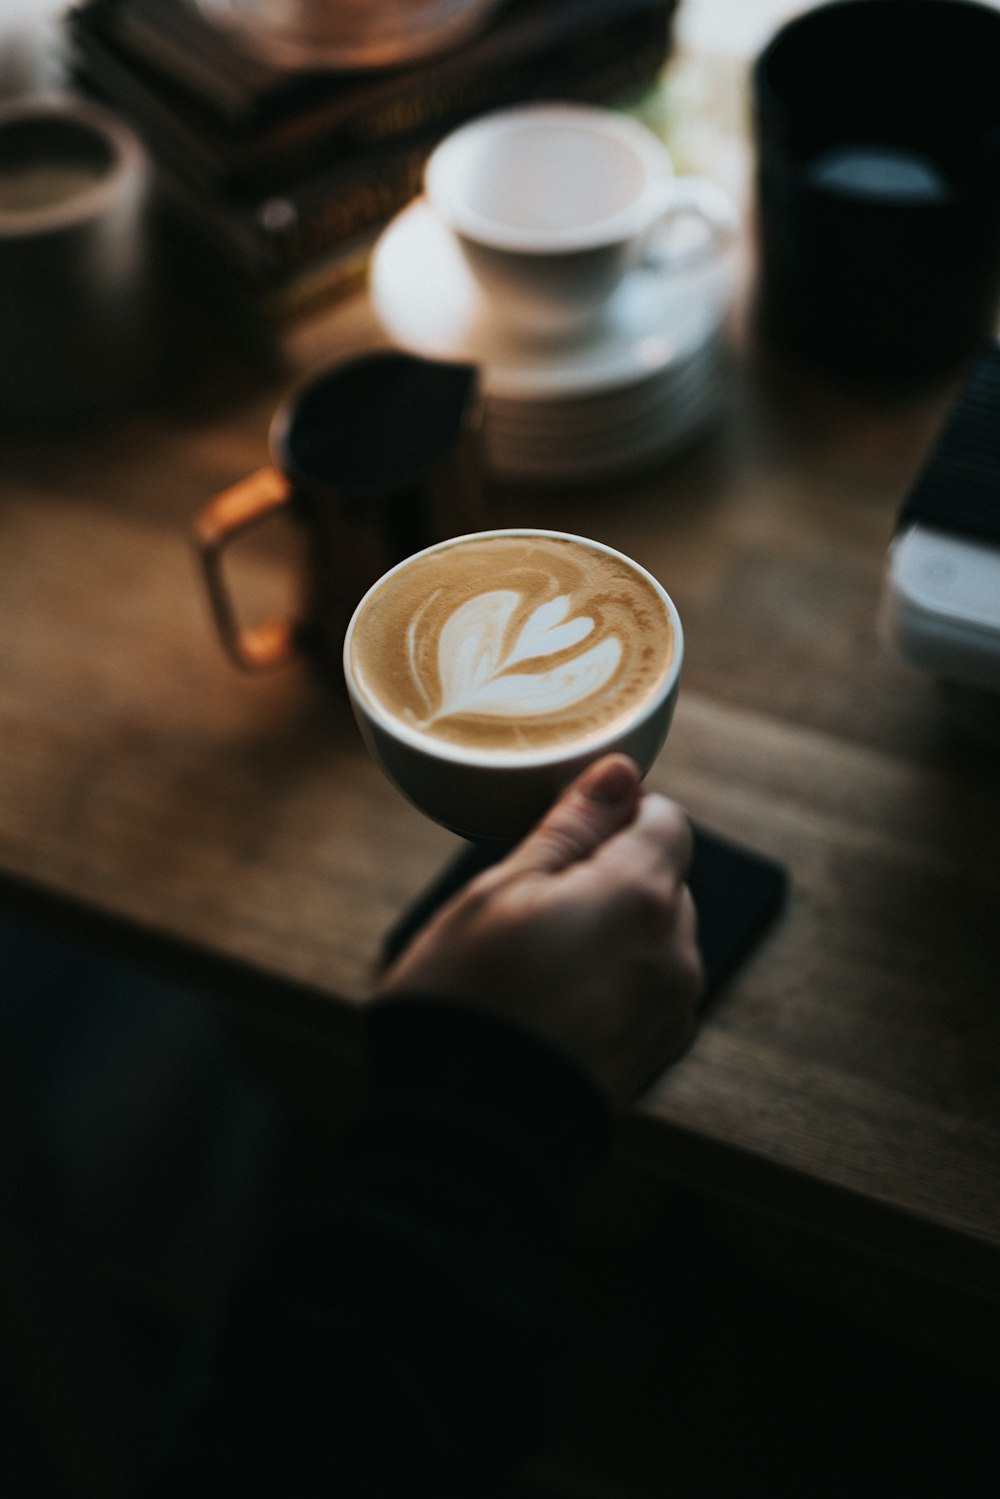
{"x":553,"y":204}
{"x":497,"y":796}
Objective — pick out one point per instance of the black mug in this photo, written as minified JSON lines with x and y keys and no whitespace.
{"x":877,"y":130}
{"x":374,"y":459}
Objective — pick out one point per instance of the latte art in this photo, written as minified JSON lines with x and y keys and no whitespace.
{"x":476,"y":656}
{"x":513,"y":643}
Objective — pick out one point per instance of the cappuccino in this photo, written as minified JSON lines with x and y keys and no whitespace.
{"x":487,"y":671}
{"x":506,"y":646}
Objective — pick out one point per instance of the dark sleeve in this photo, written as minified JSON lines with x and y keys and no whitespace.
{"x":400,"y":1334}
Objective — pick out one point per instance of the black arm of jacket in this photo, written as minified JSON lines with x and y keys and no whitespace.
{"x":400,"y":1334}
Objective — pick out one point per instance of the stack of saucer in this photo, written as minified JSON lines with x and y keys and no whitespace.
{"x":631,"y":390}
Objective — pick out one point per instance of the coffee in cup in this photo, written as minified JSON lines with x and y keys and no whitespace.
{"x":486,"y":671}
{"x":75,"y":267}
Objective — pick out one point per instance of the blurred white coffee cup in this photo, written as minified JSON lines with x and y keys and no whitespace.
{"x":553,"y":204}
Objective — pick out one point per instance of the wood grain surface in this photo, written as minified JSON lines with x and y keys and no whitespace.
{"x":849,"y":1075}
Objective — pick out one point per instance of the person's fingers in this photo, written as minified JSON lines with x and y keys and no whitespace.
{"x":685,"y":943}
{"x":600,"y":802}
{"x":655,"y":848}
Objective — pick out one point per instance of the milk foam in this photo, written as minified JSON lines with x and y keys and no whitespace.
{"x":567,"y":647}
{"x":475,"y":671}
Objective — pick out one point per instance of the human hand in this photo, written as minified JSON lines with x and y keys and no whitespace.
{"x":585,"y":934}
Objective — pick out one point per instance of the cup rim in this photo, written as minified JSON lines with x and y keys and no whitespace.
{"x":457,"y":754}
{"x":127,"y":160}
{"x":803,"y":28}
{"x":623,"y":223}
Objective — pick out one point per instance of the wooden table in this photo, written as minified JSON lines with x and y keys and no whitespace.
{"x":846,"y":1080}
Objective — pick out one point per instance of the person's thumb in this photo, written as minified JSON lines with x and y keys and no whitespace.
{"x":600,"y":802}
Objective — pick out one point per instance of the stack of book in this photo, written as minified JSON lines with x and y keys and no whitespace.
{"x":288,"y":176}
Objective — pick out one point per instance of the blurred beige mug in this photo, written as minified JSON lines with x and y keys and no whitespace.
{"x":75,"y":292}
{"x":373,"y":459}
{"x":487,"y":671}
{"x":553,"y":204}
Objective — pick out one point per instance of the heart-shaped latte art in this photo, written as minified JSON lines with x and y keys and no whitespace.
{"x":475,"y":668}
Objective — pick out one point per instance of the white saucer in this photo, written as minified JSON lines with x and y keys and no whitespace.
{"x":427,"y":301}
{"x":583,"y":418}
{"x":658,"y":433}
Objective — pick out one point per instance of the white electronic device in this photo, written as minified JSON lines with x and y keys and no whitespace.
{"x":941,"y":605}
